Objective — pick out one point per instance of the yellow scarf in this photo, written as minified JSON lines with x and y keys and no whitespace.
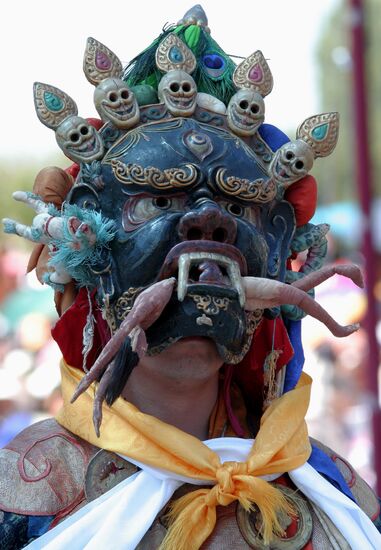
{"x":281,"y":445}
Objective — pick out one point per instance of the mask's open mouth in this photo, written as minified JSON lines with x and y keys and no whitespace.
{"x":205,"y":263}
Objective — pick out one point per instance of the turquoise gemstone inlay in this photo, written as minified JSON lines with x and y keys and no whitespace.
{"x":320,"y":132}
{"x":53,"y":102}
{"x":175,"y":55}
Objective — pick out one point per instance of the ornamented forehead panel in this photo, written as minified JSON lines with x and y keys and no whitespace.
{"x":182,"y":154}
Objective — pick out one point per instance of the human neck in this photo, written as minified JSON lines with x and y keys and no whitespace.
{"x":179,"y":386}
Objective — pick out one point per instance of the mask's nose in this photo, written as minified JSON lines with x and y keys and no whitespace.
{"x":208,"y":222}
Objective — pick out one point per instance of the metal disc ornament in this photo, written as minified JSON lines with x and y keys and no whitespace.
{"x":104,"y":471}
{"x":250,"y":524}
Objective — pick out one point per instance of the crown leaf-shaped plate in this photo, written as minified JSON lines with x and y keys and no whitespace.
{"x":99,"y":62}
{"x":52,"y":105}
{"x":173,"y":54}
{"x":254,"y":73}
{"x":320,"y":132}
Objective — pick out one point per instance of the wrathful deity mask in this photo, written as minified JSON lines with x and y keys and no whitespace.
{"x":175,"y":216}
{"x":183,"y":190}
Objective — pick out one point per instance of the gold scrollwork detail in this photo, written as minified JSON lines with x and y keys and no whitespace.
{"x":211,"y":305}
{"x":125,"y":302}
{"x":109,"y":317}
{"x":160,"y":179}
{"x":259,"y":190}
{"x":253,"y":319}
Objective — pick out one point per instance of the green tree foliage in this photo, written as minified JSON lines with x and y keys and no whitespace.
{"x":336,"y":174}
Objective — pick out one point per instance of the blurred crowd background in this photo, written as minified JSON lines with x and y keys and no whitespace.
{"x":340,"y":411}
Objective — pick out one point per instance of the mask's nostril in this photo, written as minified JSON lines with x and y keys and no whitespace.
{"x":219,"y":235}
{"x":194,"y":234}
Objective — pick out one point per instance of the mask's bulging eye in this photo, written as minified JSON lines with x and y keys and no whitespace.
{"x":235,"y":209}
{"x":248,"y":213}
{"x":124,"y":94}
{"x":84,"y":130}
{"x":164,"y":203}
{"x":142,"y":208}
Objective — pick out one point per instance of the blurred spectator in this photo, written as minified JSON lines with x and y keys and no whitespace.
{"x":29,"y":358}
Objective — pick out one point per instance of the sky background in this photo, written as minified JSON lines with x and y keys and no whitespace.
{"x":44,"y":41}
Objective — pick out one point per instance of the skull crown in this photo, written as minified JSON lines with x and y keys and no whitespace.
{"x":118,"y":108}
{"x":291,"y":162}
{"x":178,"y":91}
{"x":116,"y":103}
{"x":245,"y":112}
{"x":79,"y":140}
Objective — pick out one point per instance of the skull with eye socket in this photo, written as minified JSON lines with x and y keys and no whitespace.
{"x":178,"y":91}
{"x":291,"y":162}
{"x":116,"y":103}
{"x":79,"y":140}
{"x":246,"y":112}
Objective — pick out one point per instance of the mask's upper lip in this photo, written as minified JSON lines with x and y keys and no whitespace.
{"x":170,"y":264}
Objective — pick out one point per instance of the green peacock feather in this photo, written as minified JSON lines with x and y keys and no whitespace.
{"x":214,"y":70}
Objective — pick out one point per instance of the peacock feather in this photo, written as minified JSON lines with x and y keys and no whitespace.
{"x":214,"y":70}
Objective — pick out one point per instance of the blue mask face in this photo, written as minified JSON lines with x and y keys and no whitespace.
{"x":192,"y":201}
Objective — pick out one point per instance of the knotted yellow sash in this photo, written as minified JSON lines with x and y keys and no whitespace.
{"x":281,"y":445}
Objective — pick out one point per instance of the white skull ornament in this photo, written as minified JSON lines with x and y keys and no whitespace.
{"x":116,"y":103}
{"x":291,"y":162}
{"x":178,"y":91}
{"x":79,"y":140}
{"x":246,"y":112}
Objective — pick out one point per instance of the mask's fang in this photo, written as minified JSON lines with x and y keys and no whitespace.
{"x":236,"y":279}
{"x":183,"y":274}
{"x":191,"y":258}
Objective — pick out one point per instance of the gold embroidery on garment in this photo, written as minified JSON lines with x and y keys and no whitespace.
{"x":270,"y":378}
